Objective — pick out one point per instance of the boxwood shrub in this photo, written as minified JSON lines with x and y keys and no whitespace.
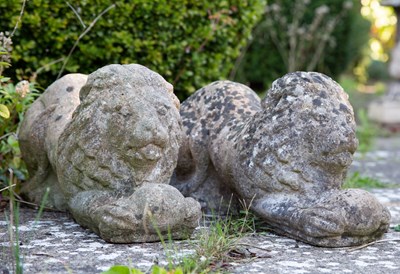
{"x":189,"y":42}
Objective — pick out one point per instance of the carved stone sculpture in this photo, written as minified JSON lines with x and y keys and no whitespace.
{"x":106,"y":147}
{"x":107,"y":154}
{"x":287,"y":156}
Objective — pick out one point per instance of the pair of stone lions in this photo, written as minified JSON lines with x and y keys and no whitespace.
{"x":109,"y":163}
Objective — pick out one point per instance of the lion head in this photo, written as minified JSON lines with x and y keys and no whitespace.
{"x":304,"y":138}
{"x":125,"y":132}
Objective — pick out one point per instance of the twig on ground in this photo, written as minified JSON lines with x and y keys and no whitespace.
{"x":372,"y":243}
{"x":45,"y":254}
{"x":37,"y":206}
{"x":6,"y":135}
{"x":254,"y":246}
{"x":7,"y":187}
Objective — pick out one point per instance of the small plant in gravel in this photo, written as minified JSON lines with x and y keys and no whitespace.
{"x":358,"y":181}
{"x":214,"y":245}
{"x":219,"y":243}
{"x":12,"y":217}
{"x":366,"y":132}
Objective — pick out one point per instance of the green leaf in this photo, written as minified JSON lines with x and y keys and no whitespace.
{"x":358,"y":181}
{"x":122,"y":269}
{"x":19,"y":107}
{"x":4,"y":79}
{"x":158,"y":270}
{"x":12,"y":141}
{"x":5,"y":64}
{"x":397,"y":228}
{"x":4,"y":112}
{"x":16,"y":161}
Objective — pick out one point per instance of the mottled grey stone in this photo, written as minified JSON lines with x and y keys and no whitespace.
{"x":55,"y":244}
{"x":111,"y":163}
{"x":38,"y":137}
{"x":287,"y":156}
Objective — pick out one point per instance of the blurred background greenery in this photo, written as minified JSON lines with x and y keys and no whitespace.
{"x":192,"y":43}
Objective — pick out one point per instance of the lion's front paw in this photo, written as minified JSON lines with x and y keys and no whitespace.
{"x":336,"y":218}
{"x":320,"y":222}
{"x":151,"y":212}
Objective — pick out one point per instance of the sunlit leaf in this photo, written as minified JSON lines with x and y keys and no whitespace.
{"x":5,"y":64}
{"x":16,"y":161}
{"x":4,"y":112}
{"x":4,"y":79}
{"x":122,"y":269}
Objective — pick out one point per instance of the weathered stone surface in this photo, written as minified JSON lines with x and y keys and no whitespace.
{"x":55,"y":244}
{"x":287,"y":156}
{"x":111,"y":163}
{"x":38,"y":136}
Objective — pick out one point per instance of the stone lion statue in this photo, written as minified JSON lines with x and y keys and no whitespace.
{"x":286,"y":156}
{"x":106,"y":148}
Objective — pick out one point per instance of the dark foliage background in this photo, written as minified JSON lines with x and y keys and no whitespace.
{"x":263,"y":63}
{"x":190,"y":43}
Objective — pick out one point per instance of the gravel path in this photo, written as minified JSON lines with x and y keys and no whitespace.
{"x":57,"y":245}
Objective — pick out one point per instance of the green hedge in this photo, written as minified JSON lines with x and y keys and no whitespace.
{"x":189,"y":42}
{"x":263,"y":62}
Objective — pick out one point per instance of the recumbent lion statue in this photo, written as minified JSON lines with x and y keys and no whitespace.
{"x":109,"y":161}
{"x":286,"y":156}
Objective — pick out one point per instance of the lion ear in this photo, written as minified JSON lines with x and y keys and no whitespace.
{"x":170,"y":87}
{"x":175,"y":100}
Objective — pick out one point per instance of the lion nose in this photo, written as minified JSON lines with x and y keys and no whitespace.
{"x":349,"y":140}
{"x":151,"y":131}
{"x":151,"y":152}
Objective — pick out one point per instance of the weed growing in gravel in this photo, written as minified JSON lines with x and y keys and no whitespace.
{"x":358,"y":181}
{"x":366,"y":132}
{"x":214,"y":245}
{"x":14,"y":227}
{"x":12,"y":218}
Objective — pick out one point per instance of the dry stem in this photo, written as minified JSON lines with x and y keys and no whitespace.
{"x":81,"y":36}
